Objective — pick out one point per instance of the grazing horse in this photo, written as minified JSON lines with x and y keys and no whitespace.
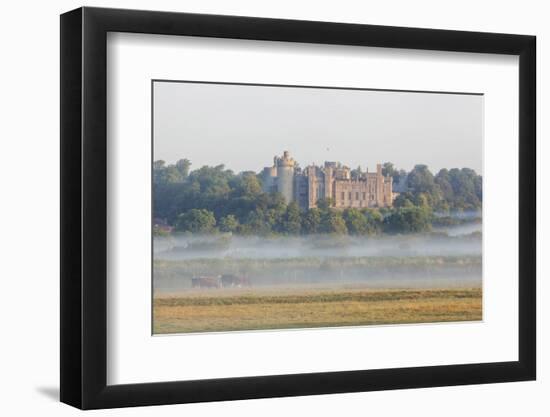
{"x":230,"y":280}
{"x":206,"y":282}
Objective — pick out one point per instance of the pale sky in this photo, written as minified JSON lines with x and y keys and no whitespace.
{"x":243,"y":127}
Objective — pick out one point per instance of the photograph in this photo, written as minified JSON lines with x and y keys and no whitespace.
{"x":297,"y":207}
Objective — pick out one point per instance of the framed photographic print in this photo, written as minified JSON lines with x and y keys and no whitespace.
{"x":257,"y":207}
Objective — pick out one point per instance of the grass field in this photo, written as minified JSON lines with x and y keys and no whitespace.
{"x":273,"y":308}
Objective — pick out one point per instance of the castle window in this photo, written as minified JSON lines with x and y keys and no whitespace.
{"x":349,"y":195}
{"x":364,"y":196}
{"x":343,"y":195}
{"x":357,"y":196}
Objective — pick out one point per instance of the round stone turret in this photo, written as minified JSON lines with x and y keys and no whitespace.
{"x":285,"y":176}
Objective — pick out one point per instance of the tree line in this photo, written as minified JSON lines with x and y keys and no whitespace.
{"x":215,"y":199}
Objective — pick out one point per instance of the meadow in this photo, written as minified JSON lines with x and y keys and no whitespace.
{"x":306,"y":307}
{"x":319,"y":281}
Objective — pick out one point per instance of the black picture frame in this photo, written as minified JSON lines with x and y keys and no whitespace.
{"x":84,"y":207}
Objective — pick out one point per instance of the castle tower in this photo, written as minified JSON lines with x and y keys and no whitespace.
{"x":379,"y":186}
{"x":329,"y":181}
{"x":269,"y":174}
{"x":312,"y":185}
{"x":285,"y":176}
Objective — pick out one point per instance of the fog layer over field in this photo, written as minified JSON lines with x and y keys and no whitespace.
{"x":453,"y":243}
{"x":448,"y":257}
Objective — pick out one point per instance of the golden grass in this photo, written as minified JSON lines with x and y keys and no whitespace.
{"x":255,"y":309}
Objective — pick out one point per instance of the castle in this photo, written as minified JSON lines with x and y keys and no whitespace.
{"x":345,"y":188}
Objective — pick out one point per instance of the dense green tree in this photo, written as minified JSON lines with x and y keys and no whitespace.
{"x":399,"y":176}
{"x":404,"y":200}
{"x":332,"y":222}
{"x":443,"y":179}
{"x":388,"y":169}
{"x":465,"y":183}
{"x":421,"y":180}
{"x":291,"y":222}
{"x":213,"y":182}
{"x":159,"y":164}
{"x":196,"y":221}
{"x":183,"y":166}
{"x":461,"y":188}
{"x":408,"y":220}
{"x":166,"y":174}
{"x":423,"y":186}
{"x":228,"y":223}
{"x":172,"y":175}
{"x":375,"y":220}
{"x":257,"y":223}
{"x":356,"y":222}
{"x":478,"y":187}
{"x":422,"y":200}
{"x":311,"y":221}
{"x":246,"y":184}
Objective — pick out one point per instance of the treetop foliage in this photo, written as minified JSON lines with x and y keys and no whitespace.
{"x":212,"y":199}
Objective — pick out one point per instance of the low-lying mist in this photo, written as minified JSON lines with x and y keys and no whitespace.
{"x":456,"y":241}
{"x":447,"y":257}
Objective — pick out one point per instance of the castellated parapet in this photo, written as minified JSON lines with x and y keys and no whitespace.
{"x":332,"y":181}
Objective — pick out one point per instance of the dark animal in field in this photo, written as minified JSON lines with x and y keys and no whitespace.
{"x":206,"y":282}
{"x":230,"y":280}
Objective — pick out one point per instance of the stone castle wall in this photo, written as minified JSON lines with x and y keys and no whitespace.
{"x":334,"y":181}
